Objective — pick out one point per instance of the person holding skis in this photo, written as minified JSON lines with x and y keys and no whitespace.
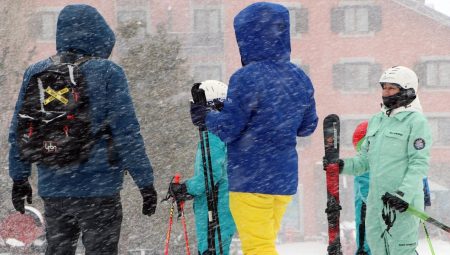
{"x":361,"y":190}
{"x":215,"y":92}
{"x":397,"y":152}
{"x":83,"y":197}
{"x":270,"y":103}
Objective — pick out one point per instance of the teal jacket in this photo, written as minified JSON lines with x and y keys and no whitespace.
{"x":196,"y":187}
{"x":397,"y":152}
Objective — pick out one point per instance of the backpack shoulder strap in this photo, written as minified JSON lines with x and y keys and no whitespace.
{"x":71,"y":58}
{"x":83,"y":60}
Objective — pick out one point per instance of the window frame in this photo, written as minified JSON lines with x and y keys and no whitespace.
{"x":298,"y":12}
{"x":340,"y":77}
{"x":39,"y":22}
{"x":422,"y":69}
{"x":439,"y":123}
{"x":339,"y":19}
{"x":202,"y":38}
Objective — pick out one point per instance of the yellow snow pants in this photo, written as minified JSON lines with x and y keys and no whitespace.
{"x":258,"y":220}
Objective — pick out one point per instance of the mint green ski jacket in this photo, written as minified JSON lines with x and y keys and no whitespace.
{"x":397,"y":152}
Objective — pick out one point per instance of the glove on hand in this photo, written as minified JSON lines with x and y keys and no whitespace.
{"x":198,"y":114}
{"x":340,"y":162}
{"x":149,"y":197}
{"x":395,"y":201}
{"x":20,"y":191}
{"x":179,"y":192}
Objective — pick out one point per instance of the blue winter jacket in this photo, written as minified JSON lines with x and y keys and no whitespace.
{"x":270,"y":102}
{"x":83,"y":30}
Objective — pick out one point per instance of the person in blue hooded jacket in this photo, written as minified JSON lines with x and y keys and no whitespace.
{"x":84,"y":198}
{"x":270,"y":102}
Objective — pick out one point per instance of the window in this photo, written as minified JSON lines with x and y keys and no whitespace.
{"x":356,"y":76}
{"x":44,"y":26}
{"x":207,"y":27}
{"x":207,"y":72}
{"x":136,"y":18}
{"x":440,"y":130}
{"x":434,"y":73}
{"x":356,"y":19}
{"x":298,"y":20}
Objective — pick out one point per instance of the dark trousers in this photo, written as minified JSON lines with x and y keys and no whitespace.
{"x":98,"y":220}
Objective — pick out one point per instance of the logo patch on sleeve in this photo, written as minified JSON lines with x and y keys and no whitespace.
{"x":419,"y":144}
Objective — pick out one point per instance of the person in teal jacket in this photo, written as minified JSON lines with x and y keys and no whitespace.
{"x":397,"y":152}
{"x":215,"y":92}
{"x":361,"y":190}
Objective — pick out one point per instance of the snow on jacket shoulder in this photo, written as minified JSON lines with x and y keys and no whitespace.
{"x":110,"y":103}
{"x":270,"y":102}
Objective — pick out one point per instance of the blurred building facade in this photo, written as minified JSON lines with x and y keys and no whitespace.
{"x":343,"y":45}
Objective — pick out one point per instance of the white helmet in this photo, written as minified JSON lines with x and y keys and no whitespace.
{"x":214,"y":90}
{"x":402,"y":76}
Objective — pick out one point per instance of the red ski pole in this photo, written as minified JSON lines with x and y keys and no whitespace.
{"x":176,"y":179}
{"x":183,"y":221}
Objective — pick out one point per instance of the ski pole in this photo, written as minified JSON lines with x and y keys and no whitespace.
{"x":169,"y":229}
{"x":214,"y":194}
{"x":425,"y":217}
{"x":180,"y":206}
{"x":183,"y":222}
{"x":362,"y":231}
{"x":198,"y":96}
{"x":211,"y":239}
{"x":428,"y":237}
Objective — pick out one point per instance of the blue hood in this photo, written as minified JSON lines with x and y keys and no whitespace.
{"x":262,"y":32}
{"x":82,"y":29}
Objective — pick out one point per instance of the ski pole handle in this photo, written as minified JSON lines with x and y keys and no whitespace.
{"x":177,"y":178}
{"x":198,"y":94}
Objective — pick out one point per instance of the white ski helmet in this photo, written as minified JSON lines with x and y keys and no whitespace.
{"x":402,"y":76}
{"x":214,"y":90}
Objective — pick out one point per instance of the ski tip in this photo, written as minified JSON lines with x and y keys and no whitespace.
{"x":332,"y":116}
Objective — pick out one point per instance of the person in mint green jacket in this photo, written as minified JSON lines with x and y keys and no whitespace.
{"x":215,"y":92}
{"x":397,"y":152}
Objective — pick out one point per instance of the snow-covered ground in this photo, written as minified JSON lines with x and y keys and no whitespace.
{"x":317,"y":248}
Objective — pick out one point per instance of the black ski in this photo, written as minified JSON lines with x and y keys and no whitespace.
{"x":331,"y":131}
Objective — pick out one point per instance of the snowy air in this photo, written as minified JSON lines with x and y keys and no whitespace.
{"x":290,"y":127}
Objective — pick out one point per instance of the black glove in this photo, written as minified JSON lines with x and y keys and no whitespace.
{"x":217,"y":104}
{"x":20,"y":191}
{"x":149,"y":197}
{"x":179,"y":192}
{"x":198,"y":114}
{"x":395,"y":201}
{"x":326,"y":163}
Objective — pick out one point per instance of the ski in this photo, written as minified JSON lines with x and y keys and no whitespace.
{"x":425,"y":217}
{"x":331,"y":132}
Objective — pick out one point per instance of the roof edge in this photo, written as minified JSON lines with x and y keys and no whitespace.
{"x":426,"y":11}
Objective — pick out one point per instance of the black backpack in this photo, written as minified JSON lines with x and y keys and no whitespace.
{"x":54,"y":124}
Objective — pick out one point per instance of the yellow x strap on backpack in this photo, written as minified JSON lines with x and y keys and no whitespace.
{"x":56,"y":95}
